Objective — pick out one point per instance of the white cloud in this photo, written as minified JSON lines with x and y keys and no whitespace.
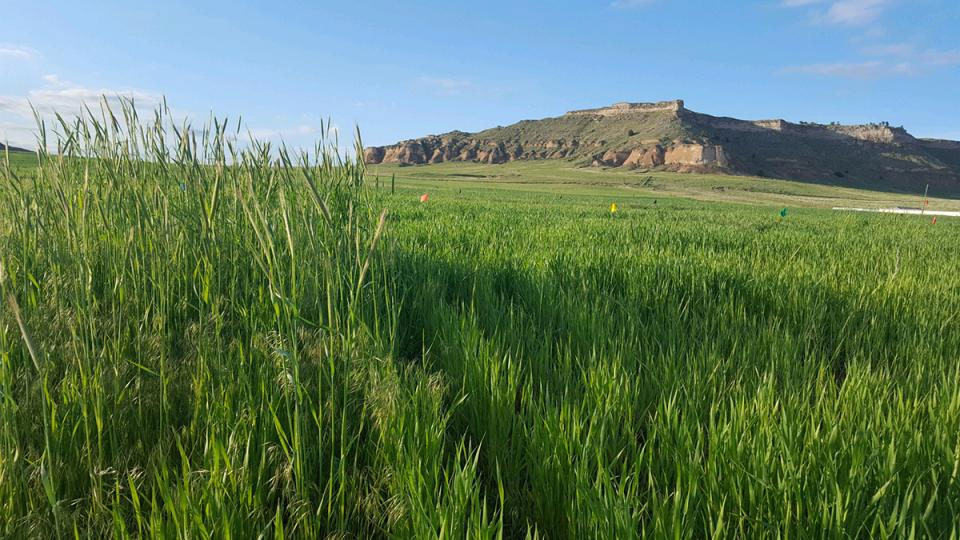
{"x":55,"y":81}
{"x":65,"y":98}
{"x":876,"y":59}
{"x":69,"y":100}
{"x":17,"y":135}
{"x":844,"y":12}
{"x":17,"y":52}
{"x":856,"y":12}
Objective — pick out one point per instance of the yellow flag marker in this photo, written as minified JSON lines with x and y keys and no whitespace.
{"x":613,"y":208}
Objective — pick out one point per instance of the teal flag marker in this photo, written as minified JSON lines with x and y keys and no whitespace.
{"x":783,"y":213}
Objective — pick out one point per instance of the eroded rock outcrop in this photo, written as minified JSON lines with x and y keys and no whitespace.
{"x":493,"y":155}
{"x":695,"y":154}
{"x":615,"y":158}
{"x":646,"y":157}
{"x":411,"y":152}
{"x":374,"y":154}
{"x":677,"y":154}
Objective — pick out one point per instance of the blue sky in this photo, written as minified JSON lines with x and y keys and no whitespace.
{"x":406,"y":69}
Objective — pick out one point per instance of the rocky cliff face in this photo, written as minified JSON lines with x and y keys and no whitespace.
{"x":459,"y":146}
{"x":622,"y":109}
{"x":433,"y":150}
{"x":441,"y":149}
{"x":676,"y":155}
{"x":667,"y":136}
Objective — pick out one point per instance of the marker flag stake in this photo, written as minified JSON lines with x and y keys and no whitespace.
{"x":425,"y":197}
{"x":613,"y":208}
{"x":934,"y":220}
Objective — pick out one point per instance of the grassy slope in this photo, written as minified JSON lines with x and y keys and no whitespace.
{"x":556,"y":178}
{"x":846,"y":163}
{"x":642,"y":128}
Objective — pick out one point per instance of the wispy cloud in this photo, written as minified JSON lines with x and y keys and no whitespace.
{"x":301,"y":137}
{"x":886,"y":61}
{"x":843,"y":12}
{"x":17,"y":52}
{"x":623,"y":4}
{"x":940,"y":58}
{"x":916,"y":55}
{"x":853,"y":70}
{"x":856,"y":12}
{"x":890,"y":49}
{"x":302,"y":130}
{"x":444,"y":85}
{"x":871,"y":59}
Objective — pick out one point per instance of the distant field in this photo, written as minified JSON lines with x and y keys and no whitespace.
{"x":563,"y":178}
{"x":20,"y":160}
{"x":194,"y":349}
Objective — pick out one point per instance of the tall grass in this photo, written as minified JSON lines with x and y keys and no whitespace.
{"x":694,"y":371}
{"x":207,"y":339}
{"x":211,"y":330}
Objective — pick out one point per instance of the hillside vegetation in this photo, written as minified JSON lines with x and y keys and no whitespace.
{"x":667,"y":136}
{"x":199,"y":340}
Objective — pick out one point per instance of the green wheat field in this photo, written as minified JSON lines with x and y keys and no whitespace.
{"x":206,"y":339}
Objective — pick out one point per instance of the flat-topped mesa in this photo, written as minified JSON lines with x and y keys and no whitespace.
{"x":669,"y":137}
{"x":619,"y":109}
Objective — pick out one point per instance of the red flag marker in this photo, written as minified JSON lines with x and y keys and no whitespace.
{"x":934,"y":220}
{"x":425,"y":197}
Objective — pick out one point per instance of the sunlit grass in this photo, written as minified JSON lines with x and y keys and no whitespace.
{"x":217,"y":340}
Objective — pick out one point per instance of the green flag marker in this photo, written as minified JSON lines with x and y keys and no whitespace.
{"x":783,"y":213}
